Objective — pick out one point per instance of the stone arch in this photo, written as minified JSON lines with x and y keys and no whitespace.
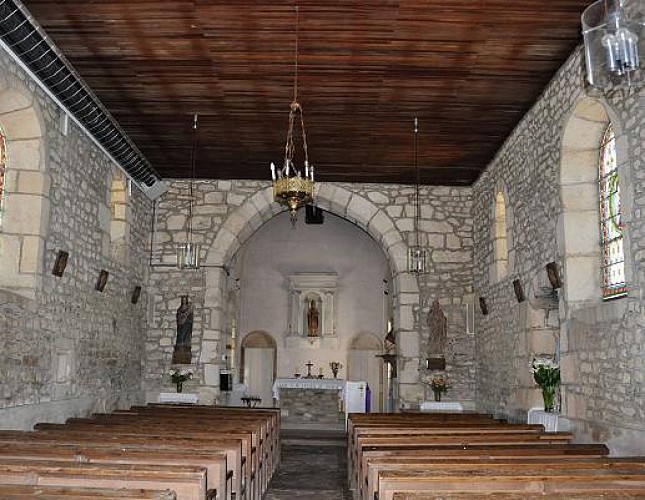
{"x":26,"y":218}
{"x":365,"y":342}
{"x":242,"y":222}
{"x":578,"y":225}
{"x":259,"y":338}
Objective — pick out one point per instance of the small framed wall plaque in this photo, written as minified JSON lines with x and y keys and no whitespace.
{"x":102,"y":280}
{"x":60,"y":264}
{"x":519,"y":291}
{"x":436,"y":363}
{"x":136,"y":293}
{"x":483,"y":305}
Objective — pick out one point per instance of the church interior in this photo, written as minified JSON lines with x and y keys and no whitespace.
{"x":453,"y":227}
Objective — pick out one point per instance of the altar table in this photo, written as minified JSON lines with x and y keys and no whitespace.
{"x":307,"y":402}
{"x":326,"y":384}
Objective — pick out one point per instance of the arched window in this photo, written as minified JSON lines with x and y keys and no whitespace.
{"x":3,"y":163}
{"x":611,"y":225}
{"x":500,"y":239}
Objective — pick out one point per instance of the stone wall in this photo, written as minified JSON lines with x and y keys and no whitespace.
{"x":228,"y":212}
{"x":600,"y":343}
{"x":66,"y":347}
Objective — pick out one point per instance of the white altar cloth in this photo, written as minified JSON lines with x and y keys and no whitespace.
{"x":441,"y":406}
{"x":548,"y":420}
{"x":178,"y":397}
{"x":328,"y":384}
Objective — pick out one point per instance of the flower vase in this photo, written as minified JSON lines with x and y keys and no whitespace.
{"x":180,"y":386}
{"x":335,"y":372}
{"x":548,"y":394}
{"x":437,"y":396}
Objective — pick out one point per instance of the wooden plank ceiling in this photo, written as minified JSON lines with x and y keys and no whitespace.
{"x":468,"y":69}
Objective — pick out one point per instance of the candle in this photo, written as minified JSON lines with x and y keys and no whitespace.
{"x":320,"y":371}
{"x":272,"y":171}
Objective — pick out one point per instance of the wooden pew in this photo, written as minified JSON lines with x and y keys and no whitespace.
{"x":437,"y":439}
{"x":188,"y":482}
{"x":146,"y":432}
{"x":159,"y":428}
{"x":615,"y":494}
{"x":233,"y":448}
{"x":22,"y":492}
{"x":271,"y":415}
{"x":498,"y":478}
{"x":268,"y":418}
{"x":218,"y":477}
{"x":186,"y":422}
{"x":530,"y":462}
{"x":429,"y":428}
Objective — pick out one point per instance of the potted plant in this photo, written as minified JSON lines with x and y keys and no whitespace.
{"x":439,"y":386}
{"x":546,"y":373}
{"x":178,"y":377}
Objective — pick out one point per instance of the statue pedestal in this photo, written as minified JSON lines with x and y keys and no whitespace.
{"x":182,"y":355}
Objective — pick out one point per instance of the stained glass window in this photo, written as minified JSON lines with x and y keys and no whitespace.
{"x":611,"y":224}
{"x":3,"y":161}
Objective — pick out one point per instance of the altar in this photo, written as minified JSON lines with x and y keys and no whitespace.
{"x":309,"y":402}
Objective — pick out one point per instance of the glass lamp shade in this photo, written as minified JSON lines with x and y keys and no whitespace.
{"x":613,"y":33}
{"x":188,"y":255}
{"x":417,"y":260}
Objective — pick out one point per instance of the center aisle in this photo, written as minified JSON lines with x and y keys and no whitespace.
{"x":313,"y":466}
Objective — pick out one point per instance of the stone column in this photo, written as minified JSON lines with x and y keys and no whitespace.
{"x":212,"y":349}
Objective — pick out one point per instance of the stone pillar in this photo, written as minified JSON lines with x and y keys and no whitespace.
{"x":212,"y":350}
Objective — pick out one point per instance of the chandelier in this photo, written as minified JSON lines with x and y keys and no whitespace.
{"x":188,"y":253}
{"x":613,"y":37}
{"x":293,"y":187}
{"x":417,"y":256}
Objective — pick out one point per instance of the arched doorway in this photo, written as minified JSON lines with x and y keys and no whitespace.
{"x":258,"y":365}
{"x":362,"y":364}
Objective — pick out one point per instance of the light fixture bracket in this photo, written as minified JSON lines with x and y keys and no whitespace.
{"x":613,"y":34}
{"x":189,"y":252}
{"x":417,"y":256}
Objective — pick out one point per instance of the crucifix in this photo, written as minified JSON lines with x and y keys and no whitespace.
{"x":309,"y":365}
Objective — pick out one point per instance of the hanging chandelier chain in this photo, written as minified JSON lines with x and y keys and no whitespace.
{"x":293,"y":186}
{"x":193,"y":161}
{"x":304,"y":134}
{"x":417,"y":180}
{"x":295,"y":73}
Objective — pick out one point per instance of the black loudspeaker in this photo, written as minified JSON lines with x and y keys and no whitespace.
{"x":225,"y":381}
{"x":314,"y":215}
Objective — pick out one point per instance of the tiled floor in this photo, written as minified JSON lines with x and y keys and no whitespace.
{"x":313,"y":466}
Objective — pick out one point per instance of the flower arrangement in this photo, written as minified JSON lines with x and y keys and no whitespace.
{"x":438,"y":386}
{"x":546,"y":373}
{"x":178,"y":377}
{"x":335,"y":366}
